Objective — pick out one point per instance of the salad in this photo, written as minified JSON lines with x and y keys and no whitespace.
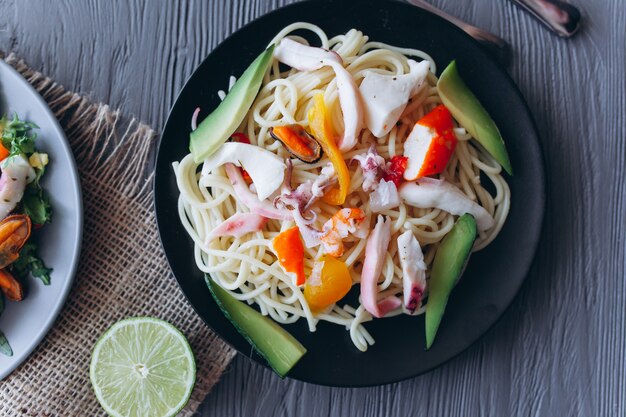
{"x":24,"y":209}
{"x":340,"y":183}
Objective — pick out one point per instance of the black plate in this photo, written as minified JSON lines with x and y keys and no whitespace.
{"x":493,"y":276}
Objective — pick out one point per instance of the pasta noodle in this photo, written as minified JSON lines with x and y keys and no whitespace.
{"x":248,"y":268}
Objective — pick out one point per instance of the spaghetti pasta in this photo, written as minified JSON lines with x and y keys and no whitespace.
{"x":247,"y":267}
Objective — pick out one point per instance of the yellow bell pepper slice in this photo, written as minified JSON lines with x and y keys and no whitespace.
{"x":319,"y":123}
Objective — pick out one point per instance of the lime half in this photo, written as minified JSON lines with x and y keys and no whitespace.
{"x":142,"y":367}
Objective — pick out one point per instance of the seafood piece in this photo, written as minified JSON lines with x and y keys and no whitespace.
{"x":429,"y":192}
{"x":304,"y":57}
{"x":413,"y":270}
{"x":251,"y":200}
{"x":298,"y":142}
{"x":385,"y":96}
{"x":375,"y":253}
{"x":265,"y":168}
{"x":238,"y":225}
{"x":16,"y":173}
{"x":14,"y":232}
{"x":384,"y":197}
{"x":344,"y":222}
{"x":371,"y":165}
{"x":11,"y":287}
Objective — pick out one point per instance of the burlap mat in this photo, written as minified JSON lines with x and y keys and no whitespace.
{"x":122,"y":270}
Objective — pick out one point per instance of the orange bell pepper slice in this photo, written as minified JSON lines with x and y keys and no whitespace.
{"x":319,"y":123}
{"x":330,"y":286}
{"x":290,"y":251}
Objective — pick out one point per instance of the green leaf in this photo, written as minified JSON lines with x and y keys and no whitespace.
{"x":36,"y":204}
{"x":5,"y":347}
{"x":29,"y":262}
{"x":17,"y":135}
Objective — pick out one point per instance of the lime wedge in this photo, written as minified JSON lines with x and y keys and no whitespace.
{"x":142,"y":367}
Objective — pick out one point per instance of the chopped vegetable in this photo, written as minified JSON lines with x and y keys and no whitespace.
{"x":218,"y":126}
{"x":385,"y":96}
{"x":17,"y":135}
{"x":329,"y":283}
{"x":319,"y":123}
{"x":430,"y":192}
{"x":29,"y":262}
{"x":290,"y":252}
{"x":413,"y":270}
{"x":281,"y":350}
{"x":238,"y":225}
{"x":395,"y":169}
{"x":11,"y":287}
{"x":375,"y":253}
{"x":430,"y":144}
{"x":298,"y":142}
{"x":14,"y":231}
{"x":265,"y":168}
{"x":471,"y":115}
{"x":448,"y":265}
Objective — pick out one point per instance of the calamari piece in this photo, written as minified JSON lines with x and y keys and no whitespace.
{"x":303,"y":57}
{"x":309,"y":58}
{"x":384,"y":197}
{"x":310,"y":235}
{"x":266,"y":170}
{"x":249,"y":199}
{"x":16,"y":173}
{"x":385,"y":96}
{"x":375,"y":252}
{"x":413,"y":270}
{"x":238,"y":225}
{"x":351,"y":105}
{"x":371,"y":164}
{"x":429,"y":192}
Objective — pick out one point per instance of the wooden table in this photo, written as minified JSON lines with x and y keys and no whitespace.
{"x":560,"y":350}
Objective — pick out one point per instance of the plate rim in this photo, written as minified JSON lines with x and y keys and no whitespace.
{"x":541,"y":198}
{"x":23,"y":355}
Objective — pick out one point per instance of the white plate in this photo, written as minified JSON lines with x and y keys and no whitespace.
{"x":25,"y":323}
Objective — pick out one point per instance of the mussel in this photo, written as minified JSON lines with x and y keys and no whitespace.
{"x":298,"y":142}
{"x":14,"y":232}
{"x":11,"y":287}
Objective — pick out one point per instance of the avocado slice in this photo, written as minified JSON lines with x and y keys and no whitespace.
{"x":471,"y":115}
{"x":448,"y":265}
{"x":279,"y":348}
{"x":217,"y":127}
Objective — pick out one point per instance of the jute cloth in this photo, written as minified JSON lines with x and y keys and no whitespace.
{"x":122,"y":270}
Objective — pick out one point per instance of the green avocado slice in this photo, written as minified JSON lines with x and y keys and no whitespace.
{"x":217,"y":127}
{"x":448,"y":265}
{"x":471,"y":115}
{"x":279,"y":348}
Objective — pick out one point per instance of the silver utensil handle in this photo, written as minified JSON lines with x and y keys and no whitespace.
{"x":495,"y":45}
{"x":560,"y":17}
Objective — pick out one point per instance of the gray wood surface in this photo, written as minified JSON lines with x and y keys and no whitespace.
{"x":560,"y":350}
